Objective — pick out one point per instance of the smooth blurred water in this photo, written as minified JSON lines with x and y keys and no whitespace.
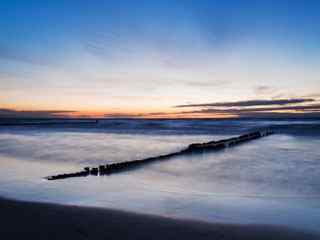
{"x":273,"y":180}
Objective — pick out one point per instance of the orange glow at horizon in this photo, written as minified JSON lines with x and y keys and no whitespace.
{"x":149,"y":115}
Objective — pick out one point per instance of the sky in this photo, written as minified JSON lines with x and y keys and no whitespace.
{"x":158,"y":59}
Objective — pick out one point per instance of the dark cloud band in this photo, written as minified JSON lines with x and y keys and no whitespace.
{"x":250,"y":103}
{"x":11,"y":113}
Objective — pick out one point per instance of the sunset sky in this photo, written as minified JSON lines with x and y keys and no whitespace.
{"x":159,"y":58}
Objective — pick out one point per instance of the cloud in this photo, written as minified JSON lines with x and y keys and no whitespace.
{"x":266,"y":109}
{"x":260,"y":112}
{"x":11,"y":113}
{"x":263,"y":90}
{"x":313,"y":95}
{"x":249,"y":103}
{"x":314,"y":114}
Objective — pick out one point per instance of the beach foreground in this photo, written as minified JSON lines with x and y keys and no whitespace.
{"x":28,"y":220}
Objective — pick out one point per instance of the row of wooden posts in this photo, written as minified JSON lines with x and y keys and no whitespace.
{"x":192,"y":148}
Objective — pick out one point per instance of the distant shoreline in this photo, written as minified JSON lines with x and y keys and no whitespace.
{"x":29,"y":220}
{"x":93,"y":119}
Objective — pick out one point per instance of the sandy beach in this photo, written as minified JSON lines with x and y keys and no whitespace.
{"x":27,"y":220}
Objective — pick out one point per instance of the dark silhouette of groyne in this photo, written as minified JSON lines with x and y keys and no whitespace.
{"x":192,"y":148}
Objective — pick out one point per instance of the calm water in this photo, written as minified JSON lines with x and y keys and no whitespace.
{"x":273,"y":180}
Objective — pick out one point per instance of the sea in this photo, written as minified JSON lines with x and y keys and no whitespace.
{"x":273,"y":180}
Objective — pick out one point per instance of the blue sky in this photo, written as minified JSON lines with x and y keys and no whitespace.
{"x":131,"y":58}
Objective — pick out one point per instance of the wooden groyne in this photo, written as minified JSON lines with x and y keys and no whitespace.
{"x":192,"y":148}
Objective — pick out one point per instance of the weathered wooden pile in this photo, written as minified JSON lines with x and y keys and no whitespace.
{"x":192,"y":148}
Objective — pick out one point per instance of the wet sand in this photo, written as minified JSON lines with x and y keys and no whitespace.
{"x":27,"y":220}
